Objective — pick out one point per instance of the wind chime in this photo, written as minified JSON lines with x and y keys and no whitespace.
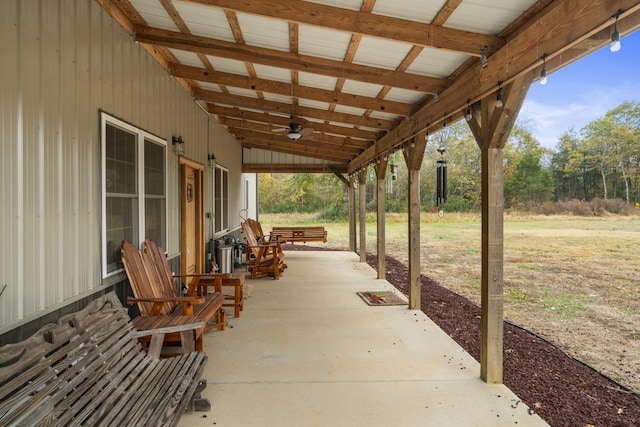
{"x":441,"y":182}
{"x":393,"y":175}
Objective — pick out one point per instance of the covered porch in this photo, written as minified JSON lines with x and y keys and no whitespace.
{"x":307,"y":350}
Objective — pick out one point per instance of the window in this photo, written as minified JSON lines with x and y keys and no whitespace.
{"x":133,"y":189}
{"x":222,"y":199}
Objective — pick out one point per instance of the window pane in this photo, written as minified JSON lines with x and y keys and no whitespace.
{"x":155,"y":221}
{"x":122,"y":214}
{"x":154,"y":161}
{"x":121,"y":161}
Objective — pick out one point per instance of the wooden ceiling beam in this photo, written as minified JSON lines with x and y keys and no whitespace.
{"x":287,"y":60}
{"x":330,"y":145}
{"x":280,"y":88}
{"x":239,"y":114}
{"x":366,"y":24}
{"x":336,"y":168}
{"x":297,"y":149}
{"x":283,"y":108}
{"x":319,"y":137}
{"x":552,"y":31}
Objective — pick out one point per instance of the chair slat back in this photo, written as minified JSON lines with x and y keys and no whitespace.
{"x":252,"y":243}
{"x":144,"y":279}
{"x":163,"y":269}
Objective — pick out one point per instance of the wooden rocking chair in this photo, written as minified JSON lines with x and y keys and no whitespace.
{"x":263,"y":259}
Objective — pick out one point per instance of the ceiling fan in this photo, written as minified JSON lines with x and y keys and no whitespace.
{"x":297,"y":129}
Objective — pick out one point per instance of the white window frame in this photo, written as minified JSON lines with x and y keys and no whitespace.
{"x":141,"y":136}
{"x":221,"y":202}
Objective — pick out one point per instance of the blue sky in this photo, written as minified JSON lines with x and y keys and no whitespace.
{"x":583,"y":91}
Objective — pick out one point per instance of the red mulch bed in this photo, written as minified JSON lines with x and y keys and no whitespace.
{"x":562,"y":390}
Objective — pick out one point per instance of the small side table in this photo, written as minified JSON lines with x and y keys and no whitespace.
{"x":237,"y":281}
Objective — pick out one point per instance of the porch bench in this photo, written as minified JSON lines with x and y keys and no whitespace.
{"x":90,"y":369}
{"x":299,"y":234}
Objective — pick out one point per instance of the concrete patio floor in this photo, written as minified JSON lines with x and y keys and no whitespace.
{"x":307,"y":351}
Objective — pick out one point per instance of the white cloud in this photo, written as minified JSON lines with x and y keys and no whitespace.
{"x":551,"y":117}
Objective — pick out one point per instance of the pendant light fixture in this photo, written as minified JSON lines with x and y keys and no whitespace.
{"x":468,"y":115}
{"x":483,"y":58}
{"x":499,"y":101}
{"x":543,"y":73}
{"x":615,"y":37}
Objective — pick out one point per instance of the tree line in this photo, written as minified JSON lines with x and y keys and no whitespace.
{"x":594,"y":169}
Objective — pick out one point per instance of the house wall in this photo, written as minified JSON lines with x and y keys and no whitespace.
{"x":63,"y":62}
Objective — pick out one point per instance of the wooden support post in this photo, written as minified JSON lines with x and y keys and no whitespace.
{"x":381,"y":171}
{"x":413,"y":155}
{"x":352,"y":213}
{"x":492,"y":318}
{"x":491,"y":127}
{"x":362,"y":191}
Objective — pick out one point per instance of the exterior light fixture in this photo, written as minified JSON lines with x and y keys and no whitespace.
{"x":294,"y":135}
{"x":615,"y":37}
{"x":483,"y":58}
{"x":468,"y":115}
{"x":178,"y":145}
{"x":543,"y":73}
{"x":435,"y":96}
{"x":499,"y":101}
{"x":212,"y":160}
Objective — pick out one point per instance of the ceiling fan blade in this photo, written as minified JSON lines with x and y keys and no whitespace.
{"x":280,"y":130}
{"x":306,"y":131}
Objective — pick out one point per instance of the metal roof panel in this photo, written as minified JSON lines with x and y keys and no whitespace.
{"x":273,"y":73}
{"x":381,"y":53}
{"x":317,"y":81}
{"x":420,"y":11}
{"x":496,"y":15}
{"x":437,"y":63}
{"x":322,"y":42}
{"x":228,"y":65}
{"x":154,"y":14}
{"x":205,"y":21}
{"x":264,"y":32}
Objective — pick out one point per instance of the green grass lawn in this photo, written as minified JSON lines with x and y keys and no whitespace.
{"x":574,"y":280}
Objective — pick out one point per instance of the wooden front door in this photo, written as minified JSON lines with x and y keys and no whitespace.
{"x":192,"y":254}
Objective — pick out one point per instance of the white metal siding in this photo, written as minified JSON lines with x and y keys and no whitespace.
{"x":63,"y":61}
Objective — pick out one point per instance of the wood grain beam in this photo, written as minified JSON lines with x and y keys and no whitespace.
{"x":336,"y":168}
{"x":281,"y":88}
{"x":366,"y":24}
{"x":287,"y":60}
{"x":445,"y":12}
{"x":270,"y":119}
{"x":318,"y":137}
{"x":290,"y":148}
{"x":552,"y":31}
{"x":283,"y":108}
{"x":336,"y":146}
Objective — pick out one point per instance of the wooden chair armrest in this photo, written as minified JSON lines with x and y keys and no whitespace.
{"x":266,"y":245}
{"x":201,"y":282}
{"x":168,"y":329}
{"x":189,"y":300}
{"x":205,"y":275}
